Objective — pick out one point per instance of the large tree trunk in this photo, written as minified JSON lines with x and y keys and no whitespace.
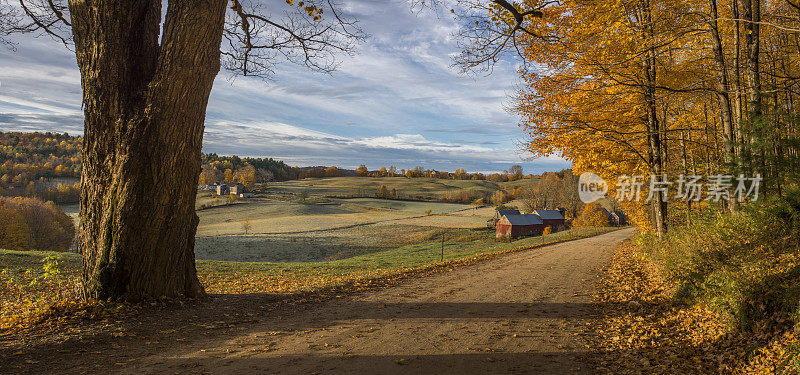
{"x":723,"y":89}
{"x":655,"y":147}
{"x":723,"y":92}
{"x":737,"y":82}
{"x":144,"y":106}
{"x":752,"y":17}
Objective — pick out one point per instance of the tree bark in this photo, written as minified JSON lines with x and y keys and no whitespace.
{"x":144,"y":106}
{"x":737,"y":81}
{"x":654,"y":131}
{"x":752,"y":17}
{"x":723,"y":88}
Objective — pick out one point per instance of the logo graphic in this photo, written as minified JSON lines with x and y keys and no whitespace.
{"x":591,"y":187}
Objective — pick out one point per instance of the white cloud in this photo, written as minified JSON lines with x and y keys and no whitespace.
{"x":418,"y":142}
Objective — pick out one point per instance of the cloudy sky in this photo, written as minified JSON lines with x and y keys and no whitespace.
{"x":396,"y":102}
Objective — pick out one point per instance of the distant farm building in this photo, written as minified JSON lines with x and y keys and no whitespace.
{"x":492,"y":223}
{"x":222,"y":189}
{"x":225,"y":189}
{"x":551,"y":218}
{"x":616,"y":217}
{"x":236,"y":189}
{"x":519,"y":225}
{"x":621,"y":219}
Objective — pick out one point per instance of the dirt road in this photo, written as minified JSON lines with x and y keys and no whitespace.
{"x":521,"y":313}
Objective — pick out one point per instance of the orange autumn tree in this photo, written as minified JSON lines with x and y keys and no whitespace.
{"x":383,"y":192}
{"x":640,"y":87}
{"x":617,"y":88}
{"x":592,"y":216}
{"x":30,"y":224}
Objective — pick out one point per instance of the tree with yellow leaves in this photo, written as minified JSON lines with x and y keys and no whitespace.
{"x":382,"y":192}
{"x":362,"y":171}
{"x":592,"y":215}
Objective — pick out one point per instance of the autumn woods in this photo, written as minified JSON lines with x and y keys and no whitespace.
{"x":30,"y":224}
{"x":666,"y":87}
{"x":40,"y":165}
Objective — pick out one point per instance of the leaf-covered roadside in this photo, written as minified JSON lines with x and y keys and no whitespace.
{"x":717,"y":297}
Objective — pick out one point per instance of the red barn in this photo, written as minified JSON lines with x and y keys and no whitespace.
{"x":551,"y":218}
{"x":519,"y":225}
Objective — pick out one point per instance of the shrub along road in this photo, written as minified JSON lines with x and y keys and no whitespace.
{"x":521,"y":312}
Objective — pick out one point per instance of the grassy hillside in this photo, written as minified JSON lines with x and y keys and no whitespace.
{"x":409,"y":206}
{"x":277,"y":230}
{"x":407,"y":188}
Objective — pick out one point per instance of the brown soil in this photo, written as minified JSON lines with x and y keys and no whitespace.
{"x":521,"y":313}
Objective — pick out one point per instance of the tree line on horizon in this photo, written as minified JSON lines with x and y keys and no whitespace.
{"x":512,"y":174}
{"x":47,"y":166}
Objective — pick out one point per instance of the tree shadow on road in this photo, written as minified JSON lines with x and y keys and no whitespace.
{"x":182,"y":330}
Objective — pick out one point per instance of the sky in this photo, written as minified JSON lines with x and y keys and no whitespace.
{"x":397,"y":101}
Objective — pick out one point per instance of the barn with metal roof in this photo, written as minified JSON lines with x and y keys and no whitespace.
{"x":501,"y":213}
{"x":519,"y":225}
{"x":551,"y":218}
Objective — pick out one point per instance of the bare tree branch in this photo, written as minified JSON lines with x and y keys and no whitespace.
{"x":313,"y":35}
{"x":45,"y":17}
{"x":257,"y":35}
{"x":492,"y":29}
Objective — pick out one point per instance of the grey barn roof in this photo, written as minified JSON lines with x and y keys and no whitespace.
{"x":528,"y":219}
{"x":549,"y":214}
{"x":507,"y":212}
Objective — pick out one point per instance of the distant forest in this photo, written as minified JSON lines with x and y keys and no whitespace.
{"x":245,"y":170}
{"x":47,"y":166}
{"x":43,"y":165}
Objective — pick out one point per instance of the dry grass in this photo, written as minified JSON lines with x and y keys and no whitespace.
{"x":409,"y":206}
{"x":447,"y":221}
{"x":421,"y":188}
{"x":274,"y":217}
{"x":325,"y":245}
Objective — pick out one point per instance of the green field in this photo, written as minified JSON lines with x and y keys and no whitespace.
{"x":292,"y":231}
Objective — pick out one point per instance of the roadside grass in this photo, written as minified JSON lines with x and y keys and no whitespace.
{"x":729,"y":284}
{"x":30,"y":286}
{"x":745,"y":266}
